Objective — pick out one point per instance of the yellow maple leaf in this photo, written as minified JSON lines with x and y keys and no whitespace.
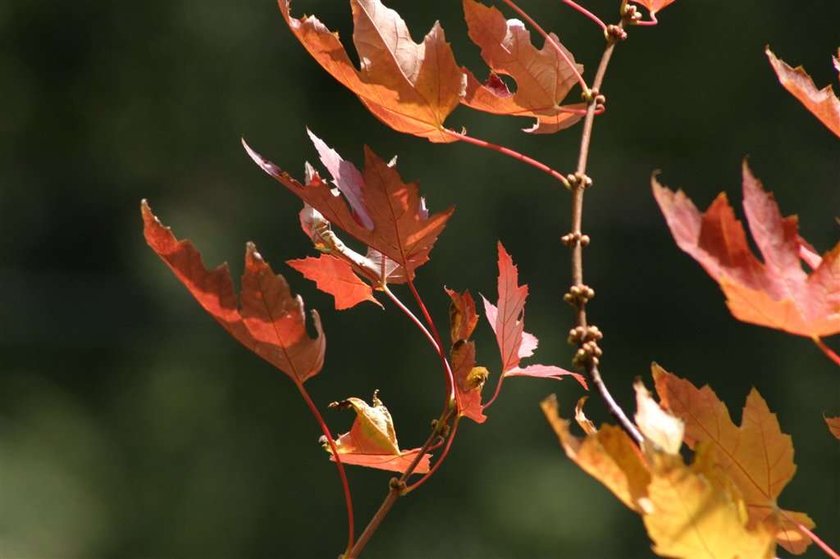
{"x":696,"y":512}
{"x":756,"y":455}
{"x":608,"y":455}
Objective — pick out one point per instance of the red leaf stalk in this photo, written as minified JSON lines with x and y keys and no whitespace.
{"x":348,"y":499}
{"x":821,"y":544}
{"x":580,"y":9}
{"x":827,"y":350}
{"x":524,"y":15}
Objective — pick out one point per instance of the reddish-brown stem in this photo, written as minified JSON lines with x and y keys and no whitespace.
{"x":580,"y":9}
{"x":348,"y":499}
{"x":560,"y":50}
{"x":821,"y":544}
{"x":827,"y":350}
{"x":510,"y":153}
{"x":397,"y":489}
{"x":647,"y":23}
{"x":450,"y":377}
{"x":438,"y":462}
{"x":394,"y":299}
{"x":578,"y":188}
{"x":495,"y":393}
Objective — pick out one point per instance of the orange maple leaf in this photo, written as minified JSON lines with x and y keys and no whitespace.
{"x":372,"y":440}
{"x":777,"y":293}
{"x":833,"y":426}
{"x":822,"y":103}
{"x":654,"y":6}
{"x":266,"y":318}
{"x":335,"y":276}
{"x":469,"y":379}
{"x":756,"y":455}
{"x":381,"y":210}
{"x":410,"y":87}
{"x":543,"y":77}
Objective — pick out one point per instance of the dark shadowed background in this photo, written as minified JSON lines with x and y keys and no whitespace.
{"x":132,"y":426}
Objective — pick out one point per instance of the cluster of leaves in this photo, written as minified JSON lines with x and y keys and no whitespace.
{"x":722,"y":503}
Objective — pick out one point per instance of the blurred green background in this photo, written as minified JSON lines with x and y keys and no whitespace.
{"x":132,"y":426}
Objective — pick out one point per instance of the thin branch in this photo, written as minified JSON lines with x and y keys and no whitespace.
{"x":438,"y":462}
{"x":348,"y":499}
{"x":394,"y":299}
{"x":827,"y":350}
{"x":821,"y":544}
{"x":450,"y":377}
{"x":397,"y":489}
{"x":578,"y":187}
{"x":580,"y":9}
{"x":495,"y":393}
{"x":539,"y":165}
{"x":548,"y":39}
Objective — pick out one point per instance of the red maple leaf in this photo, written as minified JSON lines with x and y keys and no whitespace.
{"x":654,"y":6}
{"x":382,"y":212}
{"x":823,"y":103}
{"x":410,"y":87}
{"x":777,"y":292}
{"x":543,"y":76}
{"x":507,"y":319}
{"x":335,"y":276}
{"x":372,"y":440}
{"x":469,"y":379}
{"x":266,"y":318}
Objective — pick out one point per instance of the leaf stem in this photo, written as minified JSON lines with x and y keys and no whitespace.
{"x":394,"y":299}
{"x":827,"y":350}
{"x":438,"y":462}
{"x":348,"y":499}
{"x":578,"y":187}
{"x":398,"y":488}
{"x":450,"y":377}
{"x":821,"y":544}
{"x":548,"y":39}
{"x":578,"y":8}
{"x":495,"y":393}
{"x":539,"y":165}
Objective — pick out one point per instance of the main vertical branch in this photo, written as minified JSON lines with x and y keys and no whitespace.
{"x":584,"y":336}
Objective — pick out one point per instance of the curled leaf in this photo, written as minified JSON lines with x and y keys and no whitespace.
{"x":833,"y":426}
{"x":372,"y":440}
{"x":658,"y":426}
{"x":469,"y":379}
{"x":265,"y":318}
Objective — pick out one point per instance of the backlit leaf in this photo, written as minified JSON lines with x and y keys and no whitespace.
{"x":336,"y":277}
{"x":776,"y":293}
{"x":372,"y":440}
{"x":543,"y":76}
{"x":695,"y":513}
{"x":402,"y":228}
{"x":654,"y":6}
{"x":410,"y":87}
{"x":469,"y":379}
{"x":756,"y":455}
{"x":822,"y":103}
{"x":265,"y":318}
{"x":608,"y":455}
{"x":507,"y":319}
{"x":833,"y":426}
